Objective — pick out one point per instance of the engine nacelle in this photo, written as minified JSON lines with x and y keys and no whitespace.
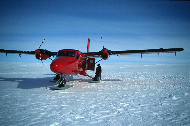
{"x":42,"y":54}
{"x":105,"y":53}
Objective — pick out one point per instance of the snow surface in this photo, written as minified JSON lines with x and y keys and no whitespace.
{"x":130,"y":94}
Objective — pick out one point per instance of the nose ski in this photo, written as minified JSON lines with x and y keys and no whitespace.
{"x":61,"y":82}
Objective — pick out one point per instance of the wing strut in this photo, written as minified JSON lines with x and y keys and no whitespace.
{"x":98,"y":61}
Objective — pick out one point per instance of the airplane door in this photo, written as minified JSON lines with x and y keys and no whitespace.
{"x":91,"y":64}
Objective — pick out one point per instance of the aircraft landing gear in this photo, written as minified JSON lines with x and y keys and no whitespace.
{"x":62,"y":81}
{"x":57,"y":77}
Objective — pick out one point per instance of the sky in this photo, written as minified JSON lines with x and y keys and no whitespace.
{"x":123,"y":25}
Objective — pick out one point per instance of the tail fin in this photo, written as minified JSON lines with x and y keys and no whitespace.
{"x":88,"y":46}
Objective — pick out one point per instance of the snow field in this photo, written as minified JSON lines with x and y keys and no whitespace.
{"x":130,"y":94}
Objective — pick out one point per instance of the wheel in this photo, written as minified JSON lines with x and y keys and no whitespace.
{"x":61,"y":83}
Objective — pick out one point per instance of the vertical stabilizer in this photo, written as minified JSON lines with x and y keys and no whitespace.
{"x":88,"y":46}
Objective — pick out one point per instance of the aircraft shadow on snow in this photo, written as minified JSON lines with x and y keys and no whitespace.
{"x":70,"y":78}
{"x":29,"y":83}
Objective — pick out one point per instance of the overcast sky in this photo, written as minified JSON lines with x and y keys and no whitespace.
{"x":123,"y":24}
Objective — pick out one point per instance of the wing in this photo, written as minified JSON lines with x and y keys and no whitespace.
{"x":41,"y":54}
{"x":16,"y":52}
{"x":148,"y":51}
{"x":105,"y":52}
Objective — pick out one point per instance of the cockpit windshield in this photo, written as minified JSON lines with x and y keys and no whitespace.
{"x":66,"y":53}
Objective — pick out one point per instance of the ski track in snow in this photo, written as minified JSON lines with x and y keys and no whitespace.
{"x":128,"y":95}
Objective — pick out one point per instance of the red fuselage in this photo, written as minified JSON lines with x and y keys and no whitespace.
{"x":70,"y":62}
{"x":65,"y":65}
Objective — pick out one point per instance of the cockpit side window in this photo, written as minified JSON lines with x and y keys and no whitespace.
{"x":66,"y":53}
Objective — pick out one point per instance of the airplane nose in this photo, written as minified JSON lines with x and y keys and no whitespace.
{"x":56,"y":67}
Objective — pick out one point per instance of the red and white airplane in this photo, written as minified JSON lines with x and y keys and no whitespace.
{"x":72,"y":62}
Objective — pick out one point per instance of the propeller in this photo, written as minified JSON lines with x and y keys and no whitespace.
{"x":42,"y":54}
{"x":42,"y":43}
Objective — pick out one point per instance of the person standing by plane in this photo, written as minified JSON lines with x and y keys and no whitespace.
{"x":98,"y":73}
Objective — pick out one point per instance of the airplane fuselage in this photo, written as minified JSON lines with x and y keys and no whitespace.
{"x":71,"y":62}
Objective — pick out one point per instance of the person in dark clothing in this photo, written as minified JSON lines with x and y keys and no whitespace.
{"x":98,"y":73}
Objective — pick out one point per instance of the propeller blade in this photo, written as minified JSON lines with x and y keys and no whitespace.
{"x":42,"y":43}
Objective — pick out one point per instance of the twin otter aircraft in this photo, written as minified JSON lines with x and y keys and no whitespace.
{"x":72,"y":62}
